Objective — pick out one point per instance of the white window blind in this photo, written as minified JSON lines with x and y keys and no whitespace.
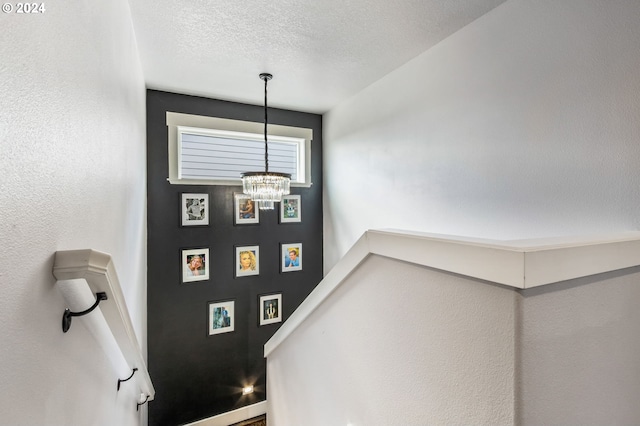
{"x":223,"y":155}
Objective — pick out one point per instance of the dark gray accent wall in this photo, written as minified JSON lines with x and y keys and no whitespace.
{"x":196,"y":375}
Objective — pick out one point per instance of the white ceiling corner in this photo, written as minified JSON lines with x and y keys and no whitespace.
{"x":320,"y":52}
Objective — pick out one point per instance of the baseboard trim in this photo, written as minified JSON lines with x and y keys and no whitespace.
{"x":235,"y":416}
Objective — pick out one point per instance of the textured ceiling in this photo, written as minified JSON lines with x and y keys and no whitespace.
{"x":320,"y":52}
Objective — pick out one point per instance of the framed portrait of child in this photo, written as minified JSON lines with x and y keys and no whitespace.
{"x":245,"y":211}
{"x":291,"y":257}
{"x":247,"y":261}
{"x":270,"y":308}
{"x":290,"y":211}
{"x":221,"y":317}
{"x":195,"y":265}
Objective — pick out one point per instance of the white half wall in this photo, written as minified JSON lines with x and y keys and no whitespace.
{"x":578,"y":345}
{"x":415,"y":338}
{"x":524,"y":124}
{"x":73,"y":164}
{"x":398,"y":344}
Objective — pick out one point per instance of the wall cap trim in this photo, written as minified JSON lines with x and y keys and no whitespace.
{"x":235,"y":416}
{"x":520,"y":264}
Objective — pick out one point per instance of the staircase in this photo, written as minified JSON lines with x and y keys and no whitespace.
{"x":256,"y":421}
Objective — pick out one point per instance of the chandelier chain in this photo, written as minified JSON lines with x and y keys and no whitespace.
{"x":266,"y":143}
{"x":266,"y":188}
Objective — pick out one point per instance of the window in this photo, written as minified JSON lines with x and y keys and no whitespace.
{"x":213,"y":154}
{"x":215,"y":151}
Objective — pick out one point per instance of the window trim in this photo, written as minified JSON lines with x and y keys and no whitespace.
{"x":221,"y":126}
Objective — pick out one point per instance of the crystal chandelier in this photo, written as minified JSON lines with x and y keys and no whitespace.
{"x":266,"y":188}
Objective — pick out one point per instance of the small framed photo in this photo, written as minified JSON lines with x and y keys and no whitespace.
{"x":195,"y":265}
{"x":290,"y":209}
{"x":195,"y":209}
{"x":270,"y":308}
{"x":221,"y":317}
{"x":245,"y":210}
{"x":247,"y":261}
{"x":291,"y":257}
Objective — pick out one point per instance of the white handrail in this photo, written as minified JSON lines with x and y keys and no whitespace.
{"x":70,"y":268}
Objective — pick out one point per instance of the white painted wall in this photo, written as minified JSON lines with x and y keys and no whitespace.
{"x":579,"y":347}
{"x":72,"y":164}
{"x":523,"y":124}
{"x":399,"y":344}
{"x":383,"y":340}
